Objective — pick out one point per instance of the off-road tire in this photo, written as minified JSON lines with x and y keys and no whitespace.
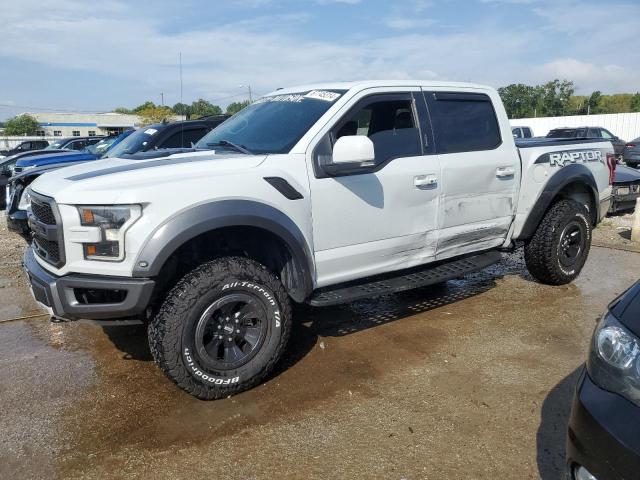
{"x":171,"y":331}
{"x":543,"y":252}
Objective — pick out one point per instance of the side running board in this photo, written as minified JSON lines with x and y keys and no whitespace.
{"x":422,"y":277}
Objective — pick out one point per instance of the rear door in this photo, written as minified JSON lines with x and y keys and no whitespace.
{"x":480,"y":172}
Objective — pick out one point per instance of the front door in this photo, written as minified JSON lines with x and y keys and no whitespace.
{"x":480,"y":172}
{"x":382,"y":219}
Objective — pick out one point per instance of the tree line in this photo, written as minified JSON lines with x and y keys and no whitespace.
{"x":149,"y":112}
{"x":551,"y":99}
{"x":556,"y":98}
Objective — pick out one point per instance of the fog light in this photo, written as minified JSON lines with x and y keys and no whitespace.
{"x":582,"y":473}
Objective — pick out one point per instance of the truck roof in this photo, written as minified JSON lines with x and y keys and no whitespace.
{"x":362,"y":84}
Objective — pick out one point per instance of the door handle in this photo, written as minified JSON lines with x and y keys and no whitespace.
{"x":430,"y":180}
{"x":503,"y":172}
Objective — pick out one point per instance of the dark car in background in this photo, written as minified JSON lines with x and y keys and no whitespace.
{"x":153,"y":140}
{"x":521,"y":132}
{"x":603,"y":440}
{"x":589,"y":132}
{"x":73,"y":143}
{"x":7,"y":166}
{"x":167,"y":135}
{"x":25,"y":146}
{"x":631,"y":153}
{"x":625,"y":189}
{"x":91,"y":152}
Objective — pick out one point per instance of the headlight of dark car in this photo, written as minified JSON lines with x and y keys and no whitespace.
{"x":614,"y":359}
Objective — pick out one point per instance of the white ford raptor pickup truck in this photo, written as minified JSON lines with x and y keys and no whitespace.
{"x":320,"y":194}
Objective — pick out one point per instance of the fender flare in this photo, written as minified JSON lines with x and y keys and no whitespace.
{"x":574,"y":173}
{"x":206,"y":217}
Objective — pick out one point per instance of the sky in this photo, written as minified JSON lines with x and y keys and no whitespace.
{"x":94,"y":56}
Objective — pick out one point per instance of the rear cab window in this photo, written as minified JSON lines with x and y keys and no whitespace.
{"x":463,"y":122}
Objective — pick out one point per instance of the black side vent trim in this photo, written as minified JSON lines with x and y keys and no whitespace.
{"x":284,"y":188}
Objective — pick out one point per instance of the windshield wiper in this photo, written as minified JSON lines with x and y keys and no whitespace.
{"x":227,"y":143}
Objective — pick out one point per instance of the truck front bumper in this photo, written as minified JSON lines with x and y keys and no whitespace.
{"x":78,"y":296}
{"x":17,"y":221}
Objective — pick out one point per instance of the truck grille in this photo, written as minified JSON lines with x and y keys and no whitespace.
{"x":50,"y":250}
{"x":46,"y":229}
{"x":43,"y":213}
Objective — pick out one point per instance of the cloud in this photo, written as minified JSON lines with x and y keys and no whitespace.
{"x":327,"y":2}
{"x":141,"y":48}
{"x":589,"y":76}
{"x":400,"y":23}
{"x":514,"y":2}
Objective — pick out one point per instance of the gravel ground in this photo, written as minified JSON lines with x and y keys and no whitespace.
{"x":471,"y":379}
{"x":615,"y":232}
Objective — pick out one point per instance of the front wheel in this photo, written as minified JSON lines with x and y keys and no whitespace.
{"x":222,"y":328}
{"x":560,"y":245}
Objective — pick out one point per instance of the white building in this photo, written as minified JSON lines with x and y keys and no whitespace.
{"x":84,"y":124}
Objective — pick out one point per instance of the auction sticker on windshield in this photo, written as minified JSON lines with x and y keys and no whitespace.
{"x":322,"y":95}
{"x":150,"y":131}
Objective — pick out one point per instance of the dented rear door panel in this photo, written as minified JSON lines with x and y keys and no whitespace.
{"x":479,"y":188}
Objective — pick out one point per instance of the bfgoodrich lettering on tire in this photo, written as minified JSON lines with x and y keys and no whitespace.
{"x":559,"y":248}
{"x":222,"y":328}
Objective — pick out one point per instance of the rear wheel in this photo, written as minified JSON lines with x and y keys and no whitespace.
{"x":559,"y":247}
{"x":222,"y":328}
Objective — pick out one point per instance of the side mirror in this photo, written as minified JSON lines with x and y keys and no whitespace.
{"x":351,"y":154}
{"x":353,"y":149}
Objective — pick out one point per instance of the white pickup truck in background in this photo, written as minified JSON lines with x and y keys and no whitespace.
{"x":320,"y":194}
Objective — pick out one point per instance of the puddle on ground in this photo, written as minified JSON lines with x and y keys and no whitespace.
{"x":109,"y":397}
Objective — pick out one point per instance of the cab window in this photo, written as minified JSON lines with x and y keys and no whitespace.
{"x":463,"y":122}
{"x":389,"y":122}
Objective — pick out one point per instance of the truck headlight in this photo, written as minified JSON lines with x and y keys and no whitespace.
{"x":25,"y":199}
{"x":113,"y":222}
{"x":614,"y":359}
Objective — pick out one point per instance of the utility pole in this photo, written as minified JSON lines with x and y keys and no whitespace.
{"x":249,"y":89}
{"x":162,"y":98}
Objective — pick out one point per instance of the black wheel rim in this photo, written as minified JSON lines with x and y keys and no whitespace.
{"x":230,"y":331}
{"x":571,"y":244}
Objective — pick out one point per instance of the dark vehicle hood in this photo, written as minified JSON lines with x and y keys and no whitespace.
{"x":626,"y":174}
{"x":46,"y":159}
{"x":31,"y":153}
{"x":626,"y":308}
{"x":160,"y":153}
{"x":37,"y":171}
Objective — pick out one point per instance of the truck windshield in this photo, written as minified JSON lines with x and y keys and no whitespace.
{"x":100,"y":147}
{"x":134,"y":143}
{"x":271,"y":125}
{"x":55,"y":145}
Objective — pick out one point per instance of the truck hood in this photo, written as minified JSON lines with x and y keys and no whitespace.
{"x":122,"y":180}
{"x":49,"y":158}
